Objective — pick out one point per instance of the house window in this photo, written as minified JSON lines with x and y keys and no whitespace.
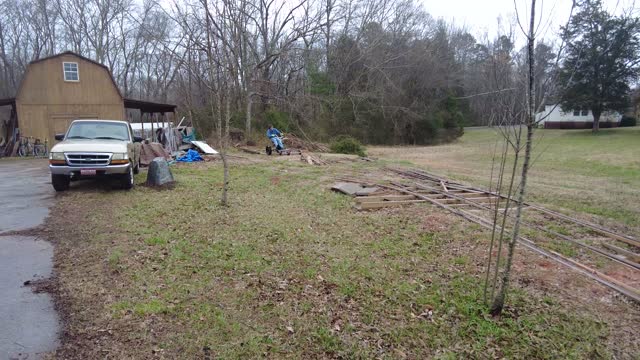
{"x":70,"y":71}
{"x":576,"y":112}
{"x":585,"y":112}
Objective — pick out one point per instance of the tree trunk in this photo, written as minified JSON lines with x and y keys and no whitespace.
{"x":248,"y":119}
{"x":227,"y":115}
{"x":596,"y":120}
{"x":223,"y":150}
{"x":498,"y":302}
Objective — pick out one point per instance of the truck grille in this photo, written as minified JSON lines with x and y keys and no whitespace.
{"x":88,"y":159}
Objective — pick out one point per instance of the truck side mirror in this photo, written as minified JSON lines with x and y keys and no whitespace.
{"x":59,"y":137}
{"x":137,"y":139}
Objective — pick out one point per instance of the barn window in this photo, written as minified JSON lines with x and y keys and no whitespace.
{"x":70,"y":71}
{"x":585,"y":112}
{"x":576,"y":112}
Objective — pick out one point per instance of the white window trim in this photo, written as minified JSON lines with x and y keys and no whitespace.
{"x":64,"y":73}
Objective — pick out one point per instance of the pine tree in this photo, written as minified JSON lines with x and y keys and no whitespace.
{"x":602,"y":60}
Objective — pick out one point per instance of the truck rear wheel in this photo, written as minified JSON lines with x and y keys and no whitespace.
{"x":60,"y":182}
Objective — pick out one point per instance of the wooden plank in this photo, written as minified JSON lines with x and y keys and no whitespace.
{"x":621,"y":238}
{"x":483,"y":200}
{"x":461,"y":194}
{"x":601,"y":275}
{"x":626,"y":253}
{"x":501,"y":210}
{"x":595,"y":239}
{"x":433,"y":196}
{"x":626,"y":239}
{"x":376,"y":198}
{"x":444,"y":186}
{"x":452,"y":192}
{"x":381,"y":204}
{"x":473,"y":199}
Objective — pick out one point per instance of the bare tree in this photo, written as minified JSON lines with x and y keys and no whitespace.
{"x":516,"y":120}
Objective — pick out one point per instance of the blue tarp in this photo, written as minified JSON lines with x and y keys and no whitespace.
{"x":190,"y":156}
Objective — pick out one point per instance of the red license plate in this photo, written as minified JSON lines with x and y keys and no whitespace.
{"x":87,"y":172}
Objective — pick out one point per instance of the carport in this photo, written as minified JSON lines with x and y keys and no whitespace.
{"x":156,"y":113}
{"x":8,"y":133}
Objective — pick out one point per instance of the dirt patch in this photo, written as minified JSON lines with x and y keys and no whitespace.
{"x":73,"y":295}
{"x":436,"y":222}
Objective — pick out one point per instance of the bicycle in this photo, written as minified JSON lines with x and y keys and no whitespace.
{"x":37,"y":149}
{"x":40,"y":149}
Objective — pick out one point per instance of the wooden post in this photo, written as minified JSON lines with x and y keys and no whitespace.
{"x":142,"y":124}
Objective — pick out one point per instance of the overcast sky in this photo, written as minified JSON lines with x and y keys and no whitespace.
{"x":480,"y":16}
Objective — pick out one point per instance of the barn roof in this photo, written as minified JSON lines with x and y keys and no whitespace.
{"x":83,"y":58}
{"x":144,"y":106}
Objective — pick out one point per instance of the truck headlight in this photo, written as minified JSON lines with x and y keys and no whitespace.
{"x":120,"y":158}
{"x":57,"y":158}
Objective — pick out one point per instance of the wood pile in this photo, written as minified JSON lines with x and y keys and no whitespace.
{"x":292,"y":141}
{"x":312,"y":159}
{"x":480,"y":206}
{"x":249,"y":151}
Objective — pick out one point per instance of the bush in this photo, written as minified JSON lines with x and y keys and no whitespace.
{"x":344,"y":144}
{"x":628,"y":120}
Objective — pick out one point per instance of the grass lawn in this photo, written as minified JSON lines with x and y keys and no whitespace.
{"x":573,"y":169}
{"x":291,"y":270}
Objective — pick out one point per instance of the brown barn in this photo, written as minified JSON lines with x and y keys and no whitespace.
{"x":59,"y":89}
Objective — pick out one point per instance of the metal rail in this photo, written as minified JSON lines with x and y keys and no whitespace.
{"x":481,"y":206}
{"x":443,"y":187}
{"x":601,"y":278}
{"x":597,"y":228}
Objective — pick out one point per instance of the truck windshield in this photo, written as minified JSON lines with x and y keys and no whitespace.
{"x":98,"y":130}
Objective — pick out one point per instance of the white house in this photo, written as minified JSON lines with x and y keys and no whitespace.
{"x":552,"y":117}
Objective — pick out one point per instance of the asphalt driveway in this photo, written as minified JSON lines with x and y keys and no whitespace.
{"x":29,"y":323}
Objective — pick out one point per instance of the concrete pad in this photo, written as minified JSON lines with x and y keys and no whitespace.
{"x":29,"y":324}
{"x":25,"y":194}
{"x":29,"y":321}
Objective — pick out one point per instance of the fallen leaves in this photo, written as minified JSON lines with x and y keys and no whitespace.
{"x":426,"y":314}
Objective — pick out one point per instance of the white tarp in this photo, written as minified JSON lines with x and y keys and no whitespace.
{"x":204,"y":147}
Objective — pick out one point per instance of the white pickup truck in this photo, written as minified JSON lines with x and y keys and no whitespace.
{"x":92,"y":148}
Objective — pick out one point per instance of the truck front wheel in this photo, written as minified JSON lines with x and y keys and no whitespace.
{"x":127,"y":179}
{"x":60,"y":182}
